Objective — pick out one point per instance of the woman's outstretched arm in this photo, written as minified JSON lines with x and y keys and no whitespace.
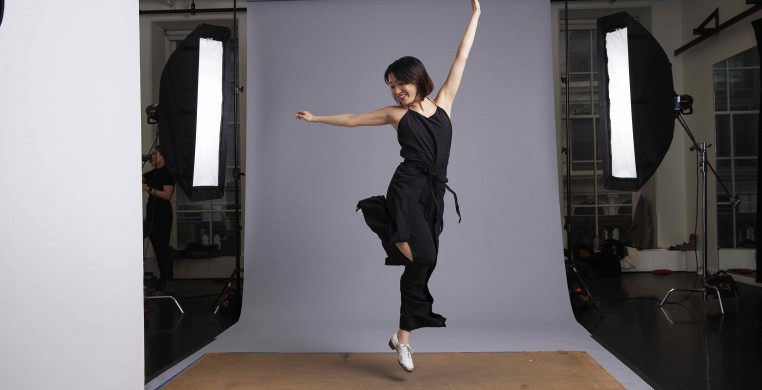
{"x":376,"y":118}
{"x":450,"y":87}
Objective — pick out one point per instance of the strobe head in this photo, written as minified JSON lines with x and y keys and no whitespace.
{"x":152,"y":113}
{"x":683,"y":104}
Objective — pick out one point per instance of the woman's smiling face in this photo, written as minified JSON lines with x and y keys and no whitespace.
{"x":403,"y":93}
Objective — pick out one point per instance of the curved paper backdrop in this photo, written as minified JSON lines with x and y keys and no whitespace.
{"x":315,"y":279}
{"x":315,"y":274}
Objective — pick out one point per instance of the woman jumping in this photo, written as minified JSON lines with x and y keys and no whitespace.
{"x":409,"y":219}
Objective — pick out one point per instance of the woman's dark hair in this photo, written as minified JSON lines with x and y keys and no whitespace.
{"x":411,"y":70}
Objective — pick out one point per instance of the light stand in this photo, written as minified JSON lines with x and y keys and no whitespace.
{"x":571,"y":267}
{"x":683,"y":105}
{"x":233,"y":287}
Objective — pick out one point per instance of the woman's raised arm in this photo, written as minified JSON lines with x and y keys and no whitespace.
{"x":449,"y":89}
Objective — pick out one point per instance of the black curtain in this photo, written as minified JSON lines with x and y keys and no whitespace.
{"x":758,"y":32}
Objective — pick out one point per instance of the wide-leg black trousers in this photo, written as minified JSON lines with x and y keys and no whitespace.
{"x":416,"y":301}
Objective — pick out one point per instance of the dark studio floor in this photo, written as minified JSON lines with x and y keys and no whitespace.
{"x":171,"y":337}
{"x":687,"y":345}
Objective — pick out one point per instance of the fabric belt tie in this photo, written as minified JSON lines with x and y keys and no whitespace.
{"x":437,"y":171}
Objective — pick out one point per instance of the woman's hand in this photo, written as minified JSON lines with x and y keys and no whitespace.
{"x":476,"y":6}
{"x":305,"y":116}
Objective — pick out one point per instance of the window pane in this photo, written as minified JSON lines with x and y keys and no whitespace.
{"x":192,"y":228}
{"x":594,"y":49}
{"x":745,"y":129}
{"x":580,"y":99}
{"x":722,"y":135}
{"x":595,"y":94}
{"x":748,"y":58}
{"x":223,"y":233}
{"x":725,"y":229}
{"x":736,"y":138}
{"x":744,"y":89}
{"x":562,"y":51}
{"x":745,"y":175}
{"x":746,"y":228}
{"x":724,"y":174}
{"x":579,"y":51}
{"x":583,"y":143}
{"x":720,"y":90}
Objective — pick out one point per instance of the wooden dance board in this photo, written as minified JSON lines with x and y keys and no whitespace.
{"x":501,"y":370}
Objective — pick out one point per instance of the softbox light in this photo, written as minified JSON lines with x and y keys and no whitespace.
{"x":636,"y":102}
{"x":194,"y":105}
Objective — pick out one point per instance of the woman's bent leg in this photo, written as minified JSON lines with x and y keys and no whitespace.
{"x":404,"y":247}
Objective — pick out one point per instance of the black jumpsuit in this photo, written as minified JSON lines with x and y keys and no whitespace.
{"x":412,"y":211}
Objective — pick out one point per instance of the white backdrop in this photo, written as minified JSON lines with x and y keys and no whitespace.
{"x":71,"y":231}
{"x":314,"y":274}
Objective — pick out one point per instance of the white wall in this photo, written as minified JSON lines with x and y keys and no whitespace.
{"x":674,"y":221}
{"x":71,"y":288}
{"x":698,"y":82}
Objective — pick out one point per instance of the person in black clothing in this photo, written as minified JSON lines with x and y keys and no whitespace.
{"x":160,"y":186}
{"x":409,"y":219}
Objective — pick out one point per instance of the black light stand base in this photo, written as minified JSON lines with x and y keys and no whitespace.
{"x":701,"y":290}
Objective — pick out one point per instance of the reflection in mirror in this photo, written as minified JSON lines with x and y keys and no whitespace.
{"x":736,"y":104}
{"x":204,"y":241}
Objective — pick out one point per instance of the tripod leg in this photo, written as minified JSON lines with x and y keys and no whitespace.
{"x":667,"y":296}
{"x":166,"y":297}
{"x":587,"y":290}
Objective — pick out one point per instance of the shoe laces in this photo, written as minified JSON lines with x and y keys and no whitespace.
{"x":405,"y":350}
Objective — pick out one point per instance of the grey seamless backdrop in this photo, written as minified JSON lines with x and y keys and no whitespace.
{"x":313,"y":268}
{"x":315,"y":279}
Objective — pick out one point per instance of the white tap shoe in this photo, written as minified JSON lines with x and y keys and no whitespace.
{"x":404,"y":351}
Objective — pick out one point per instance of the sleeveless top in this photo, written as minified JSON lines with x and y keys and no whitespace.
{"x":420,"y":180}
{"x":417,"y":188}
